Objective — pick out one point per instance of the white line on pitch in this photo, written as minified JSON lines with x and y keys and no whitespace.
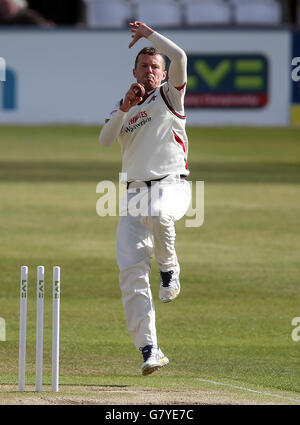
{"x":248,"y":389}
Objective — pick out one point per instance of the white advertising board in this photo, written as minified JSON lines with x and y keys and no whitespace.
{"x":76,"y":76}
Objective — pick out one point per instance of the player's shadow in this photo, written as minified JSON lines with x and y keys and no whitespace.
{"x":95,"y":171}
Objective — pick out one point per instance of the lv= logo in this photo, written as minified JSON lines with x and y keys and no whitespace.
{"x":56,"y":289}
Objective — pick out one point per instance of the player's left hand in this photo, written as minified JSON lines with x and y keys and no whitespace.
{"x":139,"y":30}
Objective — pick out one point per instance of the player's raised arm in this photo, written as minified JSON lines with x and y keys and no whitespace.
{"x":177,"y":56}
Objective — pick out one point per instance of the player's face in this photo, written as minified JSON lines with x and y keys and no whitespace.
{"x":150,"y":71}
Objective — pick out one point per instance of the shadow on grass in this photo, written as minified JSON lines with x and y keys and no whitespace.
{"x":92,"y":170}
{"x":68,"y":385}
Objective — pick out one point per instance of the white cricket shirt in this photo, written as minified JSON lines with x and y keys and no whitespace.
{"x":153,"y":139}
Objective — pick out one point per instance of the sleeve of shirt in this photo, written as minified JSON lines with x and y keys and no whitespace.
{"x":177,"y":75}
{"x":178,"y":59}
{"x":112,"y":127}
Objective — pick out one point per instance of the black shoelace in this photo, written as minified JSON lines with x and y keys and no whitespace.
{"x":166,"y":278}
{"x":146,"y":351}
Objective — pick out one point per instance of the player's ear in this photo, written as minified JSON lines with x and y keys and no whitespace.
{"x":165,"y":75}
{"x":134,"y":73}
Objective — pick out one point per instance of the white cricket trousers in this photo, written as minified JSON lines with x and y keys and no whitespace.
{"x":145,"y":231}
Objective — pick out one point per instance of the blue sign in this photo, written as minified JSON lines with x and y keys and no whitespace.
{"x":8,"y":91}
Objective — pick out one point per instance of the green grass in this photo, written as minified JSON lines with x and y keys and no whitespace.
{"x":240,"y":270}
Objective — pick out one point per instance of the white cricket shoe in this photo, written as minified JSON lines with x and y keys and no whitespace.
{"x":170,"y":285}
{"x":154,"y":359}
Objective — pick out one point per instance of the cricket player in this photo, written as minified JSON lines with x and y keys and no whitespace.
{"x":149,"y":123}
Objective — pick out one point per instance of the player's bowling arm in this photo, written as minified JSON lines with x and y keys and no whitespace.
{"x":178,"y":59}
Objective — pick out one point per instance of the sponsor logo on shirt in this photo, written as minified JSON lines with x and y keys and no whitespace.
{"x":142,"y":114}
{"x":133,"y":124}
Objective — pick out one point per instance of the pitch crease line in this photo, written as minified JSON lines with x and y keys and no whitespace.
{"x":248,"y":389}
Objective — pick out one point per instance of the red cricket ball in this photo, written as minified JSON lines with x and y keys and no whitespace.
{"x":139,"y":91}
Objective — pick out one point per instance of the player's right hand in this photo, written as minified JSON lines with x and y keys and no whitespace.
{"x":139,"y":30}
{"x":133,"y":96}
